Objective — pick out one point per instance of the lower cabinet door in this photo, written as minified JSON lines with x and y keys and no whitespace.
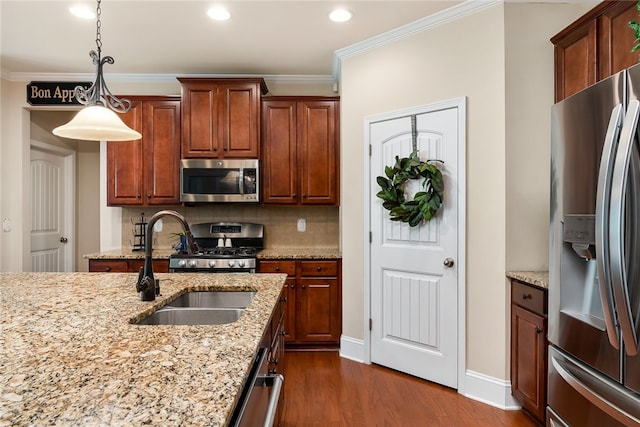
{"x":529,"y":360}
{"x":316,"y":308}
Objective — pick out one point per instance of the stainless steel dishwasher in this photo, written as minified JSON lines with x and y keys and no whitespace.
{"x":259,"y":398}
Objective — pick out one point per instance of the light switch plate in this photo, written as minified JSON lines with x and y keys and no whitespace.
{"x":302,"y":225}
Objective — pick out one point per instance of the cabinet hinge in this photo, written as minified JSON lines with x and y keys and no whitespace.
{"x":370,"y":149}
{"x":370,"y":324}
{"x":370,"y":237}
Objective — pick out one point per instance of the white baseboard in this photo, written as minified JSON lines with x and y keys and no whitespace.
{"x":489,"y":390}
{"x":352,"y":348}
{"x":480,"y":387}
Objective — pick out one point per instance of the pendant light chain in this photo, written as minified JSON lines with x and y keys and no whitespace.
{"x":99,"y":93}
{"x":98,"y":26}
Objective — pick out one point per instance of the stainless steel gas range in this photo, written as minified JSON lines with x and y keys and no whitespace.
{"x":225,"y":247}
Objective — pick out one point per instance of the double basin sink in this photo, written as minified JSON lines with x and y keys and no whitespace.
{"x":201,"y":308}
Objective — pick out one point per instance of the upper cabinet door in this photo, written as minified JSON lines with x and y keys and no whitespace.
{"x":241,"y":119}
{"x":279,"y":152}
{"x":201,"y":133}
{"x":162,"y":151}
{"x":124,"y":163}
{"x":318,"y":137}
{"x":221,"y":117}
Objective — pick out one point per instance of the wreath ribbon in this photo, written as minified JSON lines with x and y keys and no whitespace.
{"x":425,"y":204}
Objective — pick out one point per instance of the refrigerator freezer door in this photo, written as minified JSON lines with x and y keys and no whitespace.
{"x":581,"y":397}
{"x":576,"y":312}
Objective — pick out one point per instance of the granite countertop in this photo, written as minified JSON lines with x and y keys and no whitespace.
{"x":268,"y":253}
{"x":69,"y":354}
{"x":535,"y":278}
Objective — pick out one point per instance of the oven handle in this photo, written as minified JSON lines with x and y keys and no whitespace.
{"x":277,"y":381}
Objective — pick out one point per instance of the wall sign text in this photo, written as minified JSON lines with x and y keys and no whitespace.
{"x":53,"y":93}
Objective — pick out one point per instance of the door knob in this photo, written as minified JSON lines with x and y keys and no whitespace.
{"x":448,"y":262}
{"x":63,"y":240}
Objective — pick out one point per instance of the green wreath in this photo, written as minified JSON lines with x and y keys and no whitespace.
{"x":425,"y":204}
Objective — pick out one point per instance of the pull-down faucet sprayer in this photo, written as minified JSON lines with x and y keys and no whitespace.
{"x":146,"y":282}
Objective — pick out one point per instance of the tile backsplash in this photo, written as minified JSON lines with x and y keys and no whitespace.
{"x":280,"y":223}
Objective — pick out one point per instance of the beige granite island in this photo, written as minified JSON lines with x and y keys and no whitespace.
{"x":69,"y":354}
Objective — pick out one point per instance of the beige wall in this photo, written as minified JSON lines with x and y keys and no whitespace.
{"x":504,"y":65}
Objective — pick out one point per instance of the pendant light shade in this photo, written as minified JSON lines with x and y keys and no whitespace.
{"x":97,"y":123}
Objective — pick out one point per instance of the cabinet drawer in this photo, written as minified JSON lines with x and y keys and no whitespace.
{"x":288,"y":267}
{"x":529,"y":297}
{"x":318,"y":268}
{"x":108,"y":266}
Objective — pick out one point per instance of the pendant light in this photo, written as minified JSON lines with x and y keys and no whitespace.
{"x":96,"y":122}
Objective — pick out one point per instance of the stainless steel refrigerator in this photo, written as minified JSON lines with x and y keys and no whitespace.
{"x":594,"y":270}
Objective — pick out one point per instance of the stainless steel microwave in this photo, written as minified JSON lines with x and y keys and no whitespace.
{"x":219,"y":180}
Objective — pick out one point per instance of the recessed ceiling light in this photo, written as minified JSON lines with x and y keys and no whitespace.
{"x":340,"y":15}
{"x":218,"y":13}
{"x":82,"y":11}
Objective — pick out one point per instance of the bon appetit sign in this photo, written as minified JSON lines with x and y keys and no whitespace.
{"x":53,"y":93}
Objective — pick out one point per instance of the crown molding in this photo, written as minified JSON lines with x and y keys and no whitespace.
{"x":164,"y":78}
{"x":453,"y":13}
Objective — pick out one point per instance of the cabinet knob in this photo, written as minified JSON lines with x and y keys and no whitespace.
{"x":226,"y":148}
{"x":295,"y":195}
{"x":318,"y":268}
{"x":138,"y":196}
{"x":148,"y":195}
{"x":304,"y":286}
{"x":538,"y":330}
{"x":292,"y":286}
{"x":526,"y":296}
{"x":304,"y":195}
{"x":277,"y":268}
{"x":108,"y":269}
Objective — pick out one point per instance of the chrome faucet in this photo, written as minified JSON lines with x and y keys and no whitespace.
{"x":146,"y":282}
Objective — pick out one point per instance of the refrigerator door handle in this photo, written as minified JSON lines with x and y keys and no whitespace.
{"x":617,"y":229}
{"x":586,"y":385}
{"x":605,"y":175}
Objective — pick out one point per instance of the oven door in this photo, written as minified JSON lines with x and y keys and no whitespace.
{"x":259,"y":399}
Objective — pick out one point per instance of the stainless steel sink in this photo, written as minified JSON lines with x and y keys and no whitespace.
{"x":192,"y":316}
{"x":213,"y":299}
{"x":201,"y":308}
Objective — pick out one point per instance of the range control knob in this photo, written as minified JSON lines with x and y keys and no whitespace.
{"x":193,"y":263}
{"x":232,"y":263}
{"x":240,"y":263}
{"x":182,"y":263}
{"x":212,"y":263}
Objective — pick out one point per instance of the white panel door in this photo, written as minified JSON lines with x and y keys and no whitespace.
{"x":48,"y":198}
{"x":414,"y":295}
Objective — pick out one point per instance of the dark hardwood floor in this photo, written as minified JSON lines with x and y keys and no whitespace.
{"x":323,"y":389}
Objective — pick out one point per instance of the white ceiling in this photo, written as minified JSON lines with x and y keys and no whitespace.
{"x":267,"y":38}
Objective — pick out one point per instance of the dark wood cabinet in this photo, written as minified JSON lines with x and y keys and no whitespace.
{"x":529,"y":348}
{"x":120,"y":265}
{"x":221,"y":117}
{"x":313,"y":294}
{"x":594,"y":47}
{"x":300,"y":150}
{"x":146,"y":172}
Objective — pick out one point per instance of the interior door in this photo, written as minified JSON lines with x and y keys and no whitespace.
{"x":414,"y":275}
{"x":51,"y":248}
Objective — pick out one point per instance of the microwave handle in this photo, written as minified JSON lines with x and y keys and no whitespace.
{"x":241,"y":181}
